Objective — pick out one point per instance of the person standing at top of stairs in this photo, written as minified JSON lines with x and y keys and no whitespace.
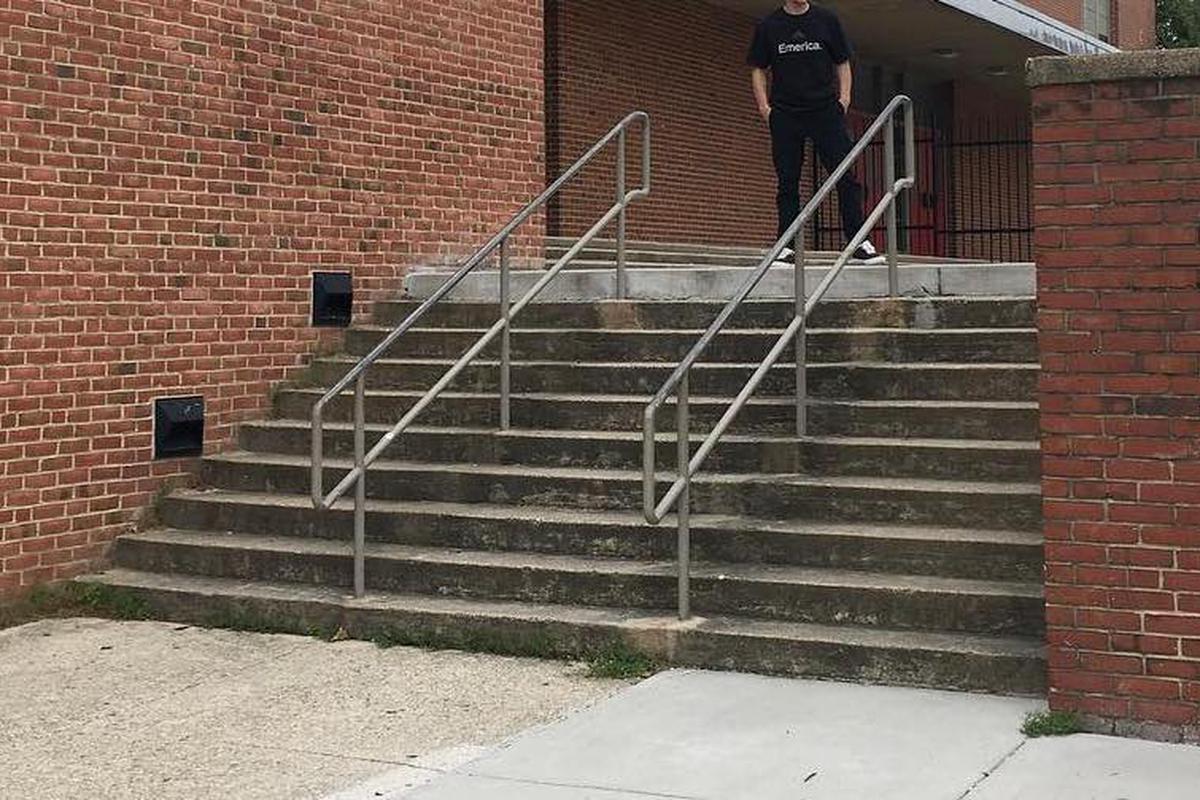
{"x":808,"y":55}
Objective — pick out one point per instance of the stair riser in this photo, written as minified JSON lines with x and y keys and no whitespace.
{"x":845,"y":382}
{"x":641,"y":259}
{"x":950,"y":559}
{"x":686,"y":648}
{"x":945,"y":313}
{"x":638,"y":252}
{"x":731,"y":456}
{"x":828,"y":660}
{"x":1009,"y":347}
{"x":860,"y":606}
{"x":622,"y":415}
{"x":758,"y":499}
{"x":758,"y":456}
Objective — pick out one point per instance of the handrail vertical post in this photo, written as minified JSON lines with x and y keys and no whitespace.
{"x":360,"y":486}
{"x":801,"y":347}
{"x":318,"y":456}
{"x":910,"y":144}
{"x":683,"y":425}
{"x":621,"y":199}
{"x":889,"y":167}
{"x":505,"y":337}
{"x":646,"y":154}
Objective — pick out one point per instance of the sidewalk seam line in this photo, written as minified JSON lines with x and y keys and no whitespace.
{"x":993,"y":770}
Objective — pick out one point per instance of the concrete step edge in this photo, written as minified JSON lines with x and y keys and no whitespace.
{"x":884,"y":366}
{"x":608,"y":519}
{"x":848,"y":580}
{"x":995,"y":445}
{"x":834,"y":482}
{"x":383,"y":330}
{"x":620,"y":620}
{"x":642,"y":400}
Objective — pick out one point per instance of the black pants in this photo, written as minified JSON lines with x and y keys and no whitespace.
{"x":827,"y":130}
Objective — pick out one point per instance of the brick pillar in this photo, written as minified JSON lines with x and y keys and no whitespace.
{"x":1117,"y":212}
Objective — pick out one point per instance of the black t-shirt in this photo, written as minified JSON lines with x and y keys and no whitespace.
{"x":801,"y":50}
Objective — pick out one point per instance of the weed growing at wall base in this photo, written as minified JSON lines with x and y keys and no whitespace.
{"x":621,"y":662}
{"x":58,"y":601}
{"x":1051,"y":723}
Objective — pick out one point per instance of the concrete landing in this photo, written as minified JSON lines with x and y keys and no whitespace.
{"x":720,"y":283}
{"x":713,"y":736}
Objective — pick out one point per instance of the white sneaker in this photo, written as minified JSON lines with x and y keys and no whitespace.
{"x":867,"y":254}
{"x":786,"y":258}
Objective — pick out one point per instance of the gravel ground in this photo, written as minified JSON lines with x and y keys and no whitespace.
{"x":98,"y":709}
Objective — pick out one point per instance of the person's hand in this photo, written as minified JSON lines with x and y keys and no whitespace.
{"x":844,"y":102}
{"x":765,"y":113}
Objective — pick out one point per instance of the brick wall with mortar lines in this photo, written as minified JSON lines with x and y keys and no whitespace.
{"x":1134,"y":24}
{"x":171,"y":172}
{"x":1132,"y":20}
{"x":685,"y":63}
{"x":1117,"y":212}
{"x":1068,"y":11}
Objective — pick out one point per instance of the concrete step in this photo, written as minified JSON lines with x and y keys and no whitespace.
{"x":936,"y":419}
{"x":604,"y":250}
{"x":610,"y":245}
{"x":779,"y":592}
{"x":604,"y":254}
{"x":919,"y":313}
{"x":848,"y":381}
{"x":949,"y":661}
{"x":888,"y":345}
{"x":949,"y":552}
{"x":962,"y":459}
{"x":996,"y":506}
{"x":717,"y":283}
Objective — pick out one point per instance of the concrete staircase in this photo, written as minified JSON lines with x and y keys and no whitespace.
{"x":899,"y":544}
{"x":704,"y":272}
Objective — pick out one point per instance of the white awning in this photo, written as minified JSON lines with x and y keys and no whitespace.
{"x":1033,"y":25}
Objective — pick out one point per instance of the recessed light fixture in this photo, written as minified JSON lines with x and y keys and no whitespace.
{"x":945,"y":52}
{"x":997,"y":72}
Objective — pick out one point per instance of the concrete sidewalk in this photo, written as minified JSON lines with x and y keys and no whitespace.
{"x":712,"y":736}
{"x":99,"y":710}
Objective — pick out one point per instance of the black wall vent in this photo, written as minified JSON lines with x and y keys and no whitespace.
{"x":332,"y":300}
{"x":178,"y":427}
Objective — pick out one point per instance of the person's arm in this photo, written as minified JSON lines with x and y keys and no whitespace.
{"x":758,"y":78}
{"x":845,"y":77}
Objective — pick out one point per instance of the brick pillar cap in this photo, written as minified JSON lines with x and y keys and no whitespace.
{"x":1123,"y":66}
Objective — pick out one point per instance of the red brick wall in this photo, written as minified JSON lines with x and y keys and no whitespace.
{"x":1117,"y":202}
{"x":1132,"y":20}
{"x":685,"y":63}
{"x":1134,"y":24}
{"x":171,"y":171}
{"x":1069,"y":11}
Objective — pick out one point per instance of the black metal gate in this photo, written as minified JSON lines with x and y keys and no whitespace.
{"x":973,"y":194}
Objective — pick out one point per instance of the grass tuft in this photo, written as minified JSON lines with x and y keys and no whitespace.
{"x":1051,"y":723}
{"x":621,"y":662}
{"x":71,"y":599}
{"x":614,"y":660}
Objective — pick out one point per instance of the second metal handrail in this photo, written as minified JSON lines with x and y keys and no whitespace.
{"x":363,"y":459}
{"x":679,"y":493}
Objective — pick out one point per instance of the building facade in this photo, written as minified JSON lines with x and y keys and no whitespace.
{"x":172,"y":175}
{"x":961,"y":60}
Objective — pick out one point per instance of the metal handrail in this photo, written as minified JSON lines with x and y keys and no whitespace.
{"x":502,"y":328}
{"x":679,"y":493}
